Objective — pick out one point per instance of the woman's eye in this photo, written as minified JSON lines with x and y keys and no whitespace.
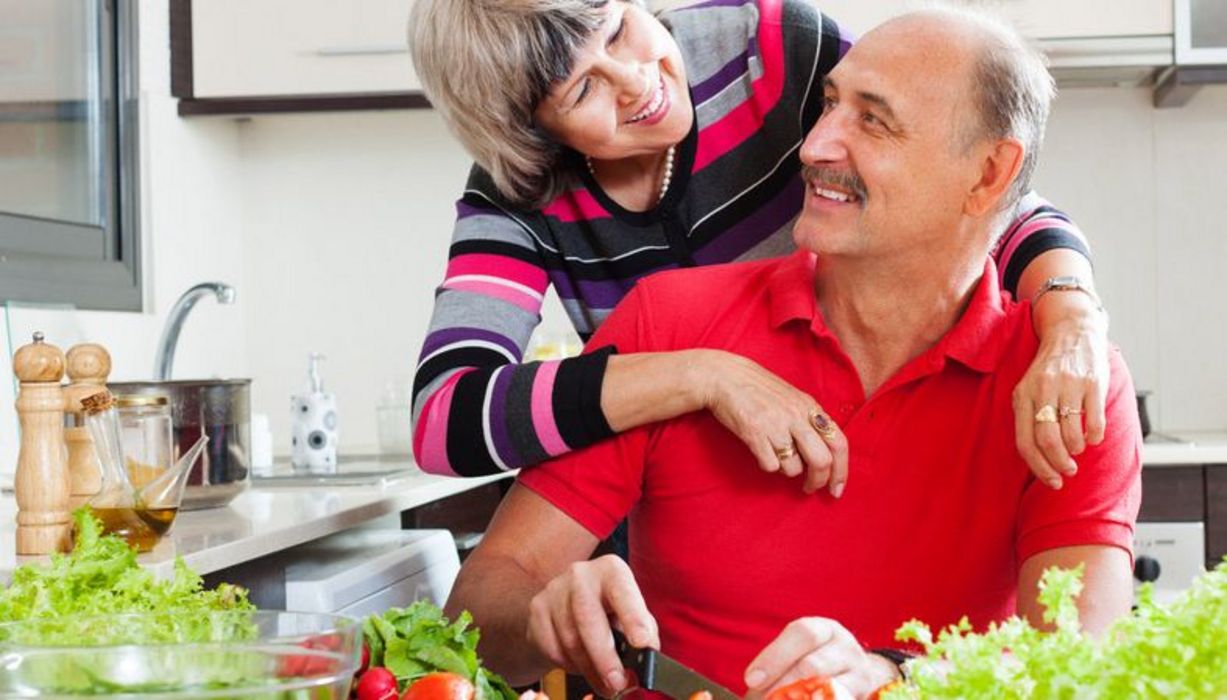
{"x":583,"y":90}
{"x":828,"y":103}
{"x":871,"y":119}
{"x":621,"y":28}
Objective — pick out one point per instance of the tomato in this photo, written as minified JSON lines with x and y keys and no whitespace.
{"x":377,"y":684}
{"x":815,"y":688}
{"x":439,"y":686}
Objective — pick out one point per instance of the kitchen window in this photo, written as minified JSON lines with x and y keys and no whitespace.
{"x":68,"y":153}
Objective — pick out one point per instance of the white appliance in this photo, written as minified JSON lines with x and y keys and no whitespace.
{"x":361,"y":572}
{"x":1168,"y":554}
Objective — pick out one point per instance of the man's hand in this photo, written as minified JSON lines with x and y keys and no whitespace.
{"x":817,"y":646}
{"x":569,"y":620}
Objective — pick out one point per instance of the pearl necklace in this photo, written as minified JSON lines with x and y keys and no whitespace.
{"x":664,"y":181}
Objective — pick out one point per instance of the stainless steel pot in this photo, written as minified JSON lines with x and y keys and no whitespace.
{"x":221,"y":409}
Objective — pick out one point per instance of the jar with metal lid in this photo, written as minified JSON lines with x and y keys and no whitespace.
{"x":146,"y":432}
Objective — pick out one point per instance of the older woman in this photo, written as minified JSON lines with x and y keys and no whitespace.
{"x":611,"y":144}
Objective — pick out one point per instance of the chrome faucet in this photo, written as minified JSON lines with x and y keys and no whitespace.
{"x":174,"y":323}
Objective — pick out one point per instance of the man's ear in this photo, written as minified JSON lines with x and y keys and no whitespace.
{"x":999,"y":166}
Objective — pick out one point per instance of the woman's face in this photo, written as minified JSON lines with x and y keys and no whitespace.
{"x":627,"y":94}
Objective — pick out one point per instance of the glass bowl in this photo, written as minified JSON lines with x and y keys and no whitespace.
{"x":269,"y":655}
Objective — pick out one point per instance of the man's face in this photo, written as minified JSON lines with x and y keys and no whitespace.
{"x":884,"y":166}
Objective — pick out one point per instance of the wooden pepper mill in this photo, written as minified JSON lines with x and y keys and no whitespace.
{"x":88,"y":367}
{"x":41,"y":481}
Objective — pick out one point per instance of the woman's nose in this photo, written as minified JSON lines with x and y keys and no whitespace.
{"x":631,"y":81}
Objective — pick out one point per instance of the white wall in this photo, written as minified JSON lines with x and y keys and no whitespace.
{"x":1146,"y":185}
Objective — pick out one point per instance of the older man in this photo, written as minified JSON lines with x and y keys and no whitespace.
{"x":889,"y":317}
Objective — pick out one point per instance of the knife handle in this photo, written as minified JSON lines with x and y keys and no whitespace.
{"x":642,"y":662}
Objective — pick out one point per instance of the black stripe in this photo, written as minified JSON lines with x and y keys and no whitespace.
{"x":488,"y":247}
{"x":467,"y":356}
{"x":570,"y":405}
{"x":1035,"y":245}
{"x":520,"y":428}
{"x":466,"y":444}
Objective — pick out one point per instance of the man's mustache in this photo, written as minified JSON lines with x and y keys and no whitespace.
{"x":841,"y":179}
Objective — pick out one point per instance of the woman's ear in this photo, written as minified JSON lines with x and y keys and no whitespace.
{"x":999,"y":168}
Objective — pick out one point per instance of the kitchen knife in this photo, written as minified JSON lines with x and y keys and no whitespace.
{"x":659,"y":672}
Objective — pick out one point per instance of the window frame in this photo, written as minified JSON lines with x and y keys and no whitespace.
{"x":51,"y":261}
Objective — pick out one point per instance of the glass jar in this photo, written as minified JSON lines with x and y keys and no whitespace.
{"x":146,"y":433}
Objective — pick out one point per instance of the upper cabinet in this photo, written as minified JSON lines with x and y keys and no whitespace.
{"x":237,"y":56}
{"x":1040,"y":19}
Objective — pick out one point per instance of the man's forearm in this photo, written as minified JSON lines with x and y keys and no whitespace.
{"x":497,"y":592}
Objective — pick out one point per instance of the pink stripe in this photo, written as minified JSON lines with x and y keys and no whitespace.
{"x":1027,"y":229}
{"x":747,"y":118}
{"x":499,"y":266}
{"x":543,"y":410}
{"x":430,"y":438}
{"x":498,"y":291}
{"x":577,"y":205}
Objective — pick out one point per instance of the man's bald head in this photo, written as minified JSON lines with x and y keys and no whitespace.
{"x":1008,"y":88}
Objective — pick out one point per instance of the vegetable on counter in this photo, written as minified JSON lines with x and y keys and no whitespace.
{"x":420,"y":647}
{"x":1173,"y":651}
{"x":100,"y":577}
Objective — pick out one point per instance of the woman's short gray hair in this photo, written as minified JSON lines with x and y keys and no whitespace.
{"x":486,"y":65}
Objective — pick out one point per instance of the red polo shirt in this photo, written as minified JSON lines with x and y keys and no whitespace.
{"x":939,"y":509}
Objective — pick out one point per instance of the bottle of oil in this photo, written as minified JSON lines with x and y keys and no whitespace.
{"x":117,"y":504}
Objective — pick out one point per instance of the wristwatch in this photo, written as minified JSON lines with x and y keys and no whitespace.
{"x":1067,"y":283}
{"x":898,"y":657}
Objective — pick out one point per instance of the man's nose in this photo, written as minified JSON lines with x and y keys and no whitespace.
{"x":826,"y":142}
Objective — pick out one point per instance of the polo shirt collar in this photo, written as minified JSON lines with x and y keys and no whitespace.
{"x":973,"y":341}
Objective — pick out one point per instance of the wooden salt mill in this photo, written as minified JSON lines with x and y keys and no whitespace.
{"x":88,"y":367}
{"x":41,"y":481}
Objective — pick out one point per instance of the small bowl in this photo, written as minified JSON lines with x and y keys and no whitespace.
{"x":177,"y":656}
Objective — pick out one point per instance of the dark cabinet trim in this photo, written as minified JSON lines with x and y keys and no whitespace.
{"x":1216,"y":514}
{"x":181,"y":85}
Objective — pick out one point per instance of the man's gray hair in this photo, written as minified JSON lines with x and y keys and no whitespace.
{"x":1012,"y":92}
{"x":485,"y":65}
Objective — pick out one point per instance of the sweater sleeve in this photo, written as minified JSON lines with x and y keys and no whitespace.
{"x":1037,"y":227}
{"x":477,"y":407}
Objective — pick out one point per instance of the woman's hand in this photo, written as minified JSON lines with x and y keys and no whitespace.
{"x":569,"y":620}
{"x":1070,"y":375}
{"x":817,"y":647}
{"x":779,"y":423}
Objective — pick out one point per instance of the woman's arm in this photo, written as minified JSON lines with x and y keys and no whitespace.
{"x":1070,"y":370}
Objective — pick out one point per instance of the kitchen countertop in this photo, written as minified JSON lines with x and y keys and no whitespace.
{"x":1186,"y":449}
{"x":263,"y":520}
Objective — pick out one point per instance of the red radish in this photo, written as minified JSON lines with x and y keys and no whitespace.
{"x":366,"y":660}
{"x":377,"y":684}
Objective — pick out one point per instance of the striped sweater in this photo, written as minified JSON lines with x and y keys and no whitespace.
{"x":755,"y":69}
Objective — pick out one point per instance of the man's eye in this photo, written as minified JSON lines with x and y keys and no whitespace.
{"x":871,"y":119}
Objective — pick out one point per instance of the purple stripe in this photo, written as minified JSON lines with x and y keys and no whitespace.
{"x":714,"y":3}
{"x":562,"y":284}
{"x":498,"y":424}
{"x":603,"y":294}
{"x":447,"y":336}
{"x":721,"y":79}
{"x":755,"y":228}
{"x":465,"y":210}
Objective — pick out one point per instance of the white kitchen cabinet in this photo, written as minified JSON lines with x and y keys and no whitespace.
{"x":1040,"y":19}
{"x":291,"y":51}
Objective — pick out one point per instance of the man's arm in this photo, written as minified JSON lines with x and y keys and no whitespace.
{"x":540,"y":604}
{"x":1107,"y":585}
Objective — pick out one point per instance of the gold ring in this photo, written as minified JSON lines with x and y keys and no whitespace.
{"x":1067,"y":411}
{"x":1046,"y":414}
{"x":824,"y":426}
{"x":783,"y":453}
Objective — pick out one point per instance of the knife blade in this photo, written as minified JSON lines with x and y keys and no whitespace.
{"x":660,"y":672}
